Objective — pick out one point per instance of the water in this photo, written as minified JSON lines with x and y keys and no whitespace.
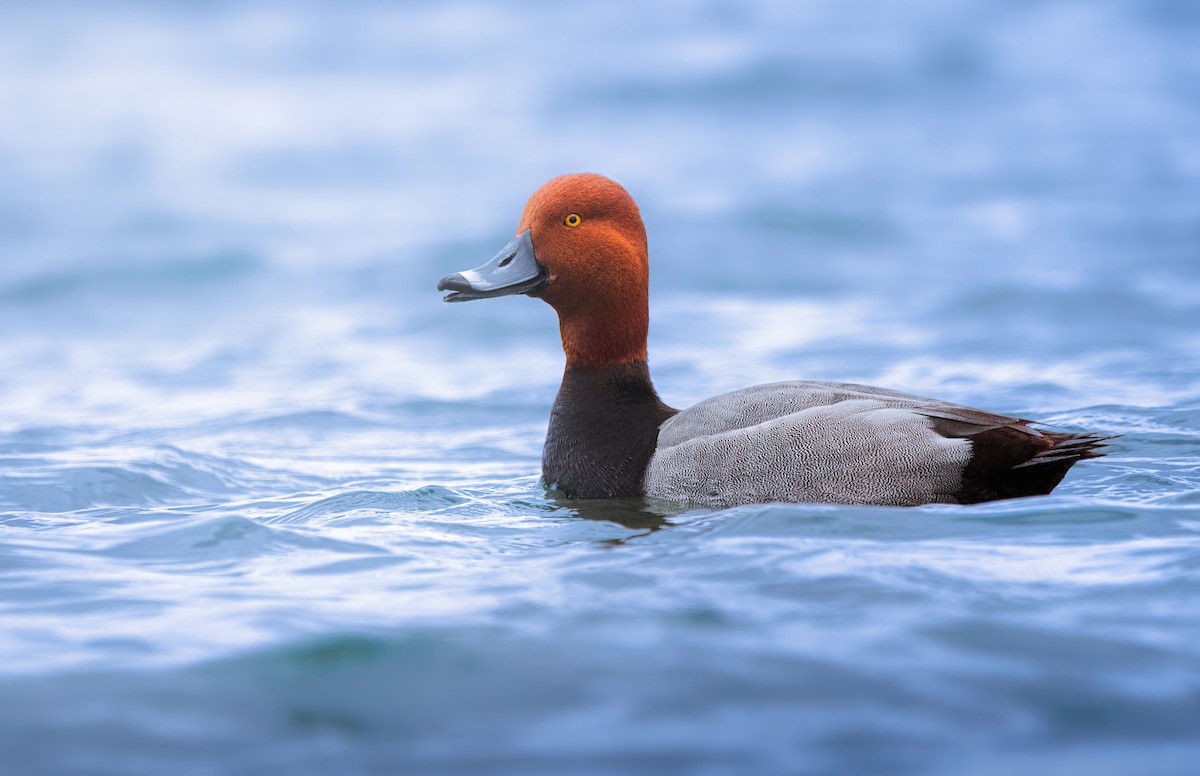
{"x":268,"y":505}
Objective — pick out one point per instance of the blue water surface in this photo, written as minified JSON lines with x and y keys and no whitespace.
{"x":267,"y":505}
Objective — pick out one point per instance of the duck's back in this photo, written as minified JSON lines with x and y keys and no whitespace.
{"x":842,"y":443}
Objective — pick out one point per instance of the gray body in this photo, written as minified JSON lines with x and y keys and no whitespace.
{"x":816,"y":442}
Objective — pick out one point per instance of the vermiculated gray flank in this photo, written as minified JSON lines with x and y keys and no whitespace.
{"x":810,"y":441}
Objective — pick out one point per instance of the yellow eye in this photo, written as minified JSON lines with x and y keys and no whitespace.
{"x":573,"y":220}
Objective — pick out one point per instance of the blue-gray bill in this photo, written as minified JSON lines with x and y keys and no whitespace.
{"x":514,"y":270}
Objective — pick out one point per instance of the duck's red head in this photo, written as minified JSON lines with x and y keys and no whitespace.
{"x":581,"y":246}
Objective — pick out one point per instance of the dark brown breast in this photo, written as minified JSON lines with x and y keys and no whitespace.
{"x":603,"y":430}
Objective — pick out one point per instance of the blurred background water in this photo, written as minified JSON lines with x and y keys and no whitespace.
{"x":268,"y":505}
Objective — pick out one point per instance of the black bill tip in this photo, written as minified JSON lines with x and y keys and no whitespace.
{"x":457,"y":285}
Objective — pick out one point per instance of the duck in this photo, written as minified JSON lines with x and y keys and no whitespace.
{"x":581,"y":247}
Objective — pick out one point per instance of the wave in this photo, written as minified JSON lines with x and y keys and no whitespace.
{"x":133,"y":477}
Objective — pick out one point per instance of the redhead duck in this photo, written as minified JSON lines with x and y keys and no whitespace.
{"x":581,"y":246}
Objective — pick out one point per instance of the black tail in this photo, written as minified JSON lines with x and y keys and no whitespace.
{"x":1010,"y":462}
{"x":1068,"y":448}
{"x":1042,"y":472}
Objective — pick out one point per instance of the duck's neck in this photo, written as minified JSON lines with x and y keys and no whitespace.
{"x":603,"y":430}
{"x":609,"y":330}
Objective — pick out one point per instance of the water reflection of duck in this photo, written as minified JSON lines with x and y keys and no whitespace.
{"x":635,"y":513}
{"x":581,"y":246}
